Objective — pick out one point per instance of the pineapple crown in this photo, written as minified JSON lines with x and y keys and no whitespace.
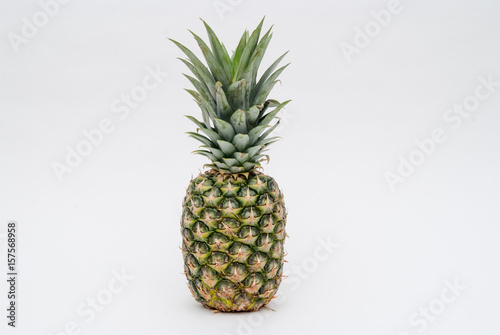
{"x":237,"y":116}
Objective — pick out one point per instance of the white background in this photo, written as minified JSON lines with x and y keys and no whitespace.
{"x":348,"y":125}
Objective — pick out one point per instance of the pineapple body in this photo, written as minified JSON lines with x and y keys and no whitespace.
{"x":233,"y":229}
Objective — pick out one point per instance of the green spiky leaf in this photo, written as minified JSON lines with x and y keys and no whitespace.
{"x":231,"y":162}
{"x":224,"y":128}
{"x":242,"y":157}
{"x":238,"y":94}
{"x":241,"y":141}
{"x":253,"y":151}
{"x":252,"y":115}
{"x":238,"y":52}
{"x":216,"y":152}
{"x":247,"y":52}
{"x":207,"y":81}
{"x":223,"y":108}
{"x":203,"y":139}
{"x":222,"y":166}
{"x":265,"y":76}
{"x":198,"y":123}
{"x":271,"y":115}
{"x":215,"y":67}
{"x":206,"y":154}
{"x":227,"y":148}
{"x":202,"y":90}
{"x":255,"y":133}
{"x":267,"y":141}
{"x":199,"y":65}
{"x":219,"y":50}
{"x":239,"y":121}
{"x":264,"y":90}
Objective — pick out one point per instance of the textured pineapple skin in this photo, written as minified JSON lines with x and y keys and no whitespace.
{"x":233,"y":233}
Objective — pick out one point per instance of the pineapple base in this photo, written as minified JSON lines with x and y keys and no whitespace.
{"x":233,"y":233}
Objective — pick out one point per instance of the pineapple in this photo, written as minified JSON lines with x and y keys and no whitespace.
{"x":234,"y":216}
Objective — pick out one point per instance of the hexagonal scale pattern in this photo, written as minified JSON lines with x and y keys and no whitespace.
{"x":233,"y":232}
